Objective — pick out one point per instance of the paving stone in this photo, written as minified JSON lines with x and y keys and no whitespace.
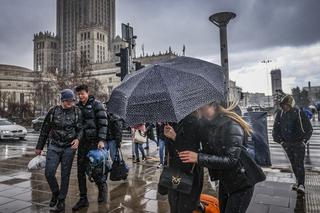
{"x":14,"y":206}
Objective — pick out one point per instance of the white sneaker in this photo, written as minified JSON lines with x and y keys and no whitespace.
{"x":160,"y":166}
{"x":301,"y":189}
{"x":294,"y":186}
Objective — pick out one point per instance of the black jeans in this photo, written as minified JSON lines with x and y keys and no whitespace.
{"x":296,"y":154}
{"x":82,"y":163}
{"x":55,"y":156}
{"x":236,"y":202}
{"x":187,"y":203}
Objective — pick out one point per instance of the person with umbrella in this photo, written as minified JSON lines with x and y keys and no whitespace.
{"x":186,"y":137}
{"x":222,"y":135}
{"x":170,"y":92}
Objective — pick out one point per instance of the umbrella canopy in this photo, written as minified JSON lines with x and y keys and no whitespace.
{"x":168,"y":91}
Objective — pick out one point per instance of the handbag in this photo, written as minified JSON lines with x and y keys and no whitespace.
{"x":119,"y":169}
{"x":139,"y":137}
{"x":174,"y":178}
{"x":252,"y":170}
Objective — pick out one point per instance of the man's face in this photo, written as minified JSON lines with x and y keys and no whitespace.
{"x":285,"y":107}
{"x":67,"y":104}
{"x":83,"y":95}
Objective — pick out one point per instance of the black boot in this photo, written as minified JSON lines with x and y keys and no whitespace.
{"x":60,"y":206}
{"x":102,"y":192}
{"x":54,"y":199}
{"x":82,"y":203}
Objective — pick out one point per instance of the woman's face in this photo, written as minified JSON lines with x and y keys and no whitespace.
{"x":208,"y":111}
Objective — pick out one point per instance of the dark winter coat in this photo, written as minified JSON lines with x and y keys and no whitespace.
{"x":95,"y":121}
{"x":223,"y":154}
{"x":291,"y":127}
{"x":61,"y":127}
{"x":114,"y":128}
{"x":187,"y":139}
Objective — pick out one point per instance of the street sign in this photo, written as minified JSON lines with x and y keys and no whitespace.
{"x":127,"y":32}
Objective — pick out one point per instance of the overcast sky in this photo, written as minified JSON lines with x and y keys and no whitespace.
{"x":284,"y":31}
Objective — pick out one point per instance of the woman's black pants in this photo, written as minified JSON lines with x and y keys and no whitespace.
{"x":236,"y":202}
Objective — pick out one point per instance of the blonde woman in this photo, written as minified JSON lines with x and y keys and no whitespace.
{"x":222,"y":134}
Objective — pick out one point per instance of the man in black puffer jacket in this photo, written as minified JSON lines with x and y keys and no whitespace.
{"x":94,"y":136}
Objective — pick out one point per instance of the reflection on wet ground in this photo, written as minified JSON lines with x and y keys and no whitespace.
{"x":24,"y":191}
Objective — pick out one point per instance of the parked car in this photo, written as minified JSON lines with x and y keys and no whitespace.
{"x":37,"y":123}
{"x":10,"y":130}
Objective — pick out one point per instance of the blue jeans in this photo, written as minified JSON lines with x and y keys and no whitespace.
{"x":161,"y":150}
{"x":138,"y":146}
{"x":112,"y":147}
{"x":55,"y":156}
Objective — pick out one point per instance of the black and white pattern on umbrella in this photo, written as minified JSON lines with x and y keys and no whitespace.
{"x":168,"y":91}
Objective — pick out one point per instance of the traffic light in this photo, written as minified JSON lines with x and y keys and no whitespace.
{"x":124,"y":62}
{"x":138,"y":65}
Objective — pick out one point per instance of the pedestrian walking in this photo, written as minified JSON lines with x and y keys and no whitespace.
{"x":62,"y":128}
{"x":94,"y":136}
{"x":139,"y":137}
{"x":183,"y":137}
{"x":162,"y":141}
{"x":222,"y":135}
{"x":292,"y":129}
{"x":150,"y":134}
{"x":114,"y":135}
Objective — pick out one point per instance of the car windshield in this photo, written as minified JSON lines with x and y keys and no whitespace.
{"x":5,"y":122}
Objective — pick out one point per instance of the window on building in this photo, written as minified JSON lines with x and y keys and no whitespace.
{"x":88,"y":35}
{"x":110,"y":80}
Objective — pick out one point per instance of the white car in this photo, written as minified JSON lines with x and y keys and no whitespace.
{"x":9,"y":130}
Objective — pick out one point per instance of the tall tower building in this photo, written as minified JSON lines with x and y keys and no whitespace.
{"x":74,"y":16}
{"x":276,"y":81}
{"x":45,"y":52}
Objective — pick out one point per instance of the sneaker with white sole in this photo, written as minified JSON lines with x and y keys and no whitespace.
{"x":294,"y":186}
{"x":301,"y":189}
{"x":160,"y":166}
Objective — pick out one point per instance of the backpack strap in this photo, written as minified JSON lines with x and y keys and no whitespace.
{"x":300,"y":121}
{"x":52,"y":114}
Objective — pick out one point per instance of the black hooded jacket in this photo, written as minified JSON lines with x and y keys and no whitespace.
{"x":291,"y":127}
{"x":95,"y":121}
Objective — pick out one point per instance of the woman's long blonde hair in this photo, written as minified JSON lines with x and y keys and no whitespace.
{"x":229,"y":112}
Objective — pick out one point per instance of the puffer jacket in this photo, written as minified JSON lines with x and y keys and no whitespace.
{"x":95,"y":121}
{"x":61,"y":127}
{"x":224,"y":155}
{"x":291,"y":127}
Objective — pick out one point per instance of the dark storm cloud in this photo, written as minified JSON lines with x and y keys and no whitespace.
{"x":259,"y":24}
{"x":19,"y":20}
{"x":160,"y":23}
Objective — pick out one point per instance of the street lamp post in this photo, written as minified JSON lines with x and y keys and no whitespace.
{"x":266,"y":62}
{"x":221,"y":20}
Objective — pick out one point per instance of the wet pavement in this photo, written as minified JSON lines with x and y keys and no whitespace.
{"x":24,"y":191}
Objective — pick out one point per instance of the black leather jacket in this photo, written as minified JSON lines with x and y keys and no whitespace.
{"x":95,"y":121}
{"x":222,"y":140}
{"x":61,"y":127}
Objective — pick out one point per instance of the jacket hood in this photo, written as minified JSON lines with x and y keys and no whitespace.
{"x":288,"y":99}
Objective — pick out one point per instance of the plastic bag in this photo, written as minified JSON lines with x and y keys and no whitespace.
{"x":38,"y":162}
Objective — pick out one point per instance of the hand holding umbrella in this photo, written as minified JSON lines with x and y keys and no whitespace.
{"x":169,"y":132}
